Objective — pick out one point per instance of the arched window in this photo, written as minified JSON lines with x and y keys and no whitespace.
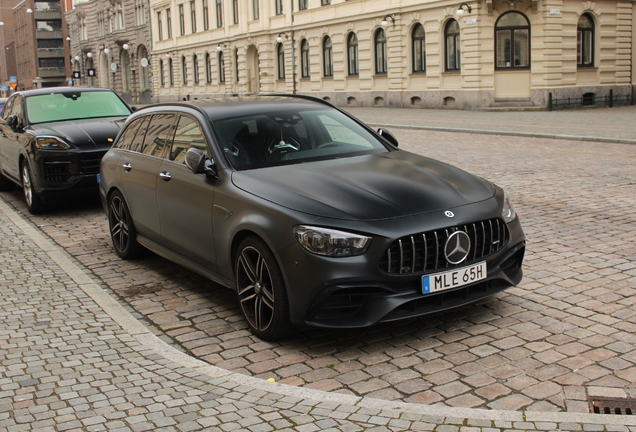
{"x":451,"y":37}
{"x":208,"y":68}
{"x":184,"y":70}
{"x":171,"y":71}
{"x":380,"y":52}
{"x":195,"y":68}
{"x":585,"y":41}
{"x":236,"y":65}
{"x":352,"y":54}
{"x":304,"y":59}
{"x":327,"y":56}
{"x":280,"y":55}
{"x":512,"y":41}
{"x":419,"y":49}
{"x":162,"y":78}
{"x":221,"y":67}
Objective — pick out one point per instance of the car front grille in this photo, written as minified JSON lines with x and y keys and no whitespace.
{"x":424,"y":252}
{"x":61,"y":170}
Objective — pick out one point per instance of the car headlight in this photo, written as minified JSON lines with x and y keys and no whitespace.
{"x":329,"y":242}
{"x":508,"y":212}
{"x":51,"y":143}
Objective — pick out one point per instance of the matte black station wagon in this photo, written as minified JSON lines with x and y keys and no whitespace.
{"x":312,"y":217}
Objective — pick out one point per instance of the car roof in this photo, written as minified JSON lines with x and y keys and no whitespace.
{"x":228,"y":107}
{"x":53,"y":90}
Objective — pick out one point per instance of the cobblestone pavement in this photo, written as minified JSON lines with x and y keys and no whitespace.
{"x":73,"y":359}
{"x":565,"y":334}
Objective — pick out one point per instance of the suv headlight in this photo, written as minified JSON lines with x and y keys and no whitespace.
{"x":329,"y":242}
{"x":508,"y":212}
{"x":51,"y":143}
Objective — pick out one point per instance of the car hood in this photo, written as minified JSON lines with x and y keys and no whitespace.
{"x":370,"y":187}
{"x":83,"y":134}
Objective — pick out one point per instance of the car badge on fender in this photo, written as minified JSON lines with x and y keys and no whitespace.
{"x":449,"y":213}
{"x":457,"y":247}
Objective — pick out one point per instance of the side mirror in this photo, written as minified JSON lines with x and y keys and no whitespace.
{"x":13,"y":122}
{"x":195,"y":160}
{"x":388,"y":136}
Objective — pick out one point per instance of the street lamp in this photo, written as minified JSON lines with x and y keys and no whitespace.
{"x":279,"y":38}
{"x":461,"y":11}
{"x":385,"y":20}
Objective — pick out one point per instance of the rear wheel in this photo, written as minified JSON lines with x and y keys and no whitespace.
{"x":33,"y":201}
{"x":122,"y":228}
{"x":261,"y":290}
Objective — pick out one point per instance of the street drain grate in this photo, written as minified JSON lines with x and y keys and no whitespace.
{"x":601,"y":405}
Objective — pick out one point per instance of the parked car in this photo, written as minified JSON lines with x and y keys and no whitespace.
{"x":311,"y":216}
{"x":52,"y":140}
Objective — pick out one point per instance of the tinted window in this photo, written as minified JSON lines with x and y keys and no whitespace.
{"x":159,"y":135}
{"x":188,"y":134}
{"x":126,"y":139}
{"x":138,"y":141}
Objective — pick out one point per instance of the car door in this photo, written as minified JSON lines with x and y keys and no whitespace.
{"x":185,"y":199}
{"x":140,"y":168}
{"x":10,"y":139}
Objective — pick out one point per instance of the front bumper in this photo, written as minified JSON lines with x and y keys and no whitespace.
{"x":57,"y":173}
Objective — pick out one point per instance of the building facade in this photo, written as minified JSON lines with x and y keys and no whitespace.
{"x":109,"y":43}
{"x":401,"y":53}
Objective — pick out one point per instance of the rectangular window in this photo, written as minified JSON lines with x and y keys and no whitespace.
{"x":181,"y":20}
{"x":235,"y":11}
{"x":169,"y":23}
{"x":206,"y":15}
{"x":193,"y":16}
{"x":256,"y":9}
{"x":504,"y":38}
{"x":325,"y":2}
{"x":219,"y":13}
{"x":302,"y":4}
{"x":159,"y":26}
{"x":279,"y":7}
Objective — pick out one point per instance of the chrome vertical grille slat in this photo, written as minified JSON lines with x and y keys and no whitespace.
{"x":426,"y":251}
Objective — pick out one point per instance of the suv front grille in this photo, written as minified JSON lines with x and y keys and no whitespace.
{"x":424,"y":252}
{"x":89,"y":163}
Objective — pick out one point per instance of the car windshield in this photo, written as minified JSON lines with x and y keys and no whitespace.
{"x":279,"y":138}
{"x":74,"y":105}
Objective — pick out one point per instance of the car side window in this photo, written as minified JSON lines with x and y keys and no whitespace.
{"x":159,"y":135}
{"x":6,"y":112}
{"x":127,"y":136}
{"x":137,"y":143}
{"x":16,"y":109}
{"x":189,"y":134}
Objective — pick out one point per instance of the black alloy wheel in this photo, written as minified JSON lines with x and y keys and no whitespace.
{"x":33,"y":201}
{"x":122,"y":229}
{"x":261,"y":290}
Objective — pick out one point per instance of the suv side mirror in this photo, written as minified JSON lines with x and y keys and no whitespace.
{"x":197,"y":162}
{"x":13,"y":122}
{"x":388,"y":136}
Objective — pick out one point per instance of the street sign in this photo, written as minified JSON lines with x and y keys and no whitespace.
{"x":13,"y":80}
{"x":77,"y":74}
{"x":91,"y":72}
{"x":14,"y":85}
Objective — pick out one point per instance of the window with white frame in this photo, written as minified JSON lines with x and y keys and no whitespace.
{"x":304,"y":59}
{"x":418,"y":42}
{"x":184,"y":70}
{"x":221,"y":67}
{"x":206,"y":15}
{"x":140,"y":12}
{"x":327,"y":57}
{"x":195,"y":68}
{"x":181,"y":20}
{"x":279,"y":7}
{"x":280,"y":55}
{"x":585,"y":41}
{"x":512,"y":41}
{"x":193,"y":16}
{"x":380,"y":52}
{"x":256,"y":10}
{"x":452,"y":49}
{"x":352,"y":54}
{"x":219,"y":13}
{"x":169,"y":22}
{"x":159,"y":26}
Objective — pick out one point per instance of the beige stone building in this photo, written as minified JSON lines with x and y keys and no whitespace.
{"x":401,"y":53}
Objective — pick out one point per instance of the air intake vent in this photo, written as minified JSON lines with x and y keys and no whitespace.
{"x":601,"y":405}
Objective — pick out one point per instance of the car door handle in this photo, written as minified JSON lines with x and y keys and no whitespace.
{"x":165,"y":176}
{"x":127,"y":167}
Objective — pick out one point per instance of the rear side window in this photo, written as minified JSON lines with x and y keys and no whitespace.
{"x":137,"y":143}
{"x":189,"y":134}
{"x":159,"y":135}
{"x":126,"y":139}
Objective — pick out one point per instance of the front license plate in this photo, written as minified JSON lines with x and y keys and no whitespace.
{"x":454,"y":278}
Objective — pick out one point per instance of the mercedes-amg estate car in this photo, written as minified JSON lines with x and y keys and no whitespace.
{"x":52,"y":140}
{"x":313,"y":218}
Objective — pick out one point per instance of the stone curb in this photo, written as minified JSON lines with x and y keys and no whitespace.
{"x":147,"y":339}
{"x":508,"y":133}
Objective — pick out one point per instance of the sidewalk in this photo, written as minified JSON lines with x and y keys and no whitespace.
{"x":73,"y":359}
{"x":614,"y":125}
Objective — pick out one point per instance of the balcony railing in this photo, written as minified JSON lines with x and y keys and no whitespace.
{"x":47,"y":15}
{"x":46,"y":34}
{"x":52,"y":72}
{"x":50,"y":52}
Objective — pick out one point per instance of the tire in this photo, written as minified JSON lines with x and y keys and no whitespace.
{"x":261,"y":290}
{"x":122,"y":229}
{"x":33,"y":201}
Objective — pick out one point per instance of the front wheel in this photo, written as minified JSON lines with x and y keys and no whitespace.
{"x":33,"y":201}
{"x":122,"y":229}
{"x":261,"y":290}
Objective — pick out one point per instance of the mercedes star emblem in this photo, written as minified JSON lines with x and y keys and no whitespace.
{"x":449,"y":213}
{"x":457,"y":247}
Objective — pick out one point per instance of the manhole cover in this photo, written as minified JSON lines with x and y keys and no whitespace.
{"x":601,"y":405}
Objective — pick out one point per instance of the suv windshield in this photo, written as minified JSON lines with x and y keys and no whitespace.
{"x":278,"y":138}
{"x":74,"y":105}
